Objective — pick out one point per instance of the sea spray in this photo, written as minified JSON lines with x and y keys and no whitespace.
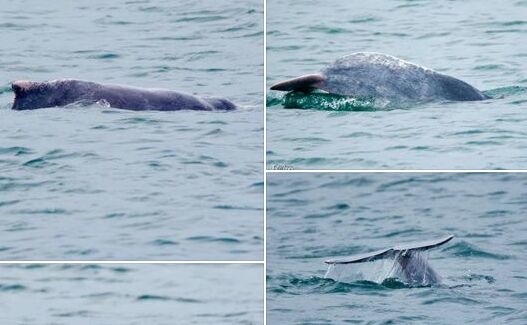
{"x":418,"y":272}
{"x":328,"y":102}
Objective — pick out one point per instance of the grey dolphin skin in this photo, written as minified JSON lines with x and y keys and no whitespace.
{"x":383,"y":77}
{"x":33,"y":95}
{"x":414,"y":268}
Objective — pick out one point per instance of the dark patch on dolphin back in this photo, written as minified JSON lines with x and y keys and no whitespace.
{"x":455,"y":89}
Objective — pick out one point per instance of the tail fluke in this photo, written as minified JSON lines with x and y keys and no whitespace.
{"x":391,"y":252}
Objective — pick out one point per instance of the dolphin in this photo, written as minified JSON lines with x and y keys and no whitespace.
{"x":412,"y":265}
{"x":33,"y":95}
{"x":384,"y":78}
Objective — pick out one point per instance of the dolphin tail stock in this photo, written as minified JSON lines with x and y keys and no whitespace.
{"x":304,"y":83}
{"x":398,"y":250}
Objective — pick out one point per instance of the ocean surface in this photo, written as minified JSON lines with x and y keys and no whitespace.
{"x":89,"y":182}
{"x":482,"y":43}
{"x":109,"y":294}
{"x":314,"y":216}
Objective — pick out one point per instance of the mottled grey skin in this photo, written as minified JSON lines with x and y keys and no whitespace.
{"x":33,"y":95}
{"x":385,"y":78}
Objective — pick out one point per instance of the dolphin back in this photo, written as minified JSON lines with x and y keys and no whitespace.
{"x":390,"y":79}
{"x":34,"y":95}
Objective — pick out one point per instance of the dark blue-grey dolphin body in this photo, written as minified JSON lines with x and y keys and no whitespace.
{"x":33,"y":95}
{"x":385,"y":78}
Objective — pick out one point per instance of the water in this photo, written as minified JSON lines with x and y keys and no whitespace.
{"x":90,"y":183}
{"x":316,"y":216}
{"x":131,"y":294}
{"x":482,"y":44}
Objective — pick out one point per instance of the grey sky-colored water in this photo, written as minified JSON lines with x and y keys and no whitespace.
{"x":131,"y":294}
{"x":94,"y":183}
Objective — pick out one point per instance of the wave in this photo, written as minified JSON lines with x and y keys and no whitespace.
{"x":508,"y":91}
{"x":294,"y":285}
{"x":149,"y":297}
{"x":327,"y":102}
{"x":318,"y":100}
{"x":465,"y":249}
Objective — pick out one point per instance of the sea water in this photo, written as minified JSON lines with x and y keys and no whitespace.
{"x":90,"y":182}
{"x":480,"y":43}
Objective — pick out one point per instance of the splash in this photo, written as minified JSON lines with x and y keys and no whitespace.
{"x":328,"y":102}
{"x":376,"y":271}
{"x":320,"y":100}
{"x":387,"y":271}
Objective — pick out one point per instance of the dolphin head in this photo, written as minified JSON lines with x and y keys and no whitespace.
{"x":220,"y":104}
{"x":304,"y":83}
{"x":33,"y":95}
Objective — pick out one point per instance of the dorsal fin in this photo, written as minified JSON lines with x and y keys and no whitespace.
{"x":303,"y":83}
